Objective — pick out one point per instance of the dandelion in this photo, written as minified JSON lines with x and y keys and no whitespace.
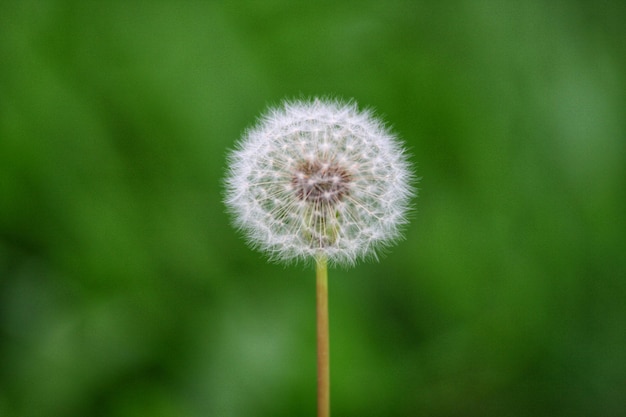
{"x":319,"y":180}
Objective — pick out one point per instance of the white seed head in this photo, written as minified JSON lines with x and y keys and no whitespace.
{"x":319,"y":178}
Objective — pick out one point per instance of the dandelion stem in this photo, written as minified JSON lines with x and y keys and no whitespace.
{"x":323,"y":357}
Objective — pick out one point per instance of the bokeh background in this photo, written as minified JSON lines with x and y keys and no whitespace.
{"x":124,"y":291}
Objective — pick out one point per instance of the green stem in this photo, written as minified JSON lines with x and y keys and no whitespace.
{"x":323,"y":353}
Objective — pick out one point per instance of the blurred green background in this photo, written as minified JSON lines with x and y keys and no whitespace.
{"x":124,"y":291}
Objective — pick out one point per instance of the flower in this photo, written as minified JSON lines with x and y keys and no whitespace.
{"x":319,"y":178}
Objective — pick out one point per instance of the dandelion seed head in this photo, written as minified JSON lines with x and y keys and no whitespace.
{"x":319,"y":177}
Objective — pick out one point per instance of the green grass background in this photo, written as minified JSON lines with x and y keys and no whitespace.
{"x":124,"y":291}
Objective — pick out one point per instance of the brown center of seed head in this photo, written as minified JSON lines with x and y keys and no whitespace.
{"x":320,"y":182}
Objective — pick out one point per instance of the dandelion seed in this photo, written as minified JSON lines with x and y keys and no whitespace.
{"x":319,"y":178}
